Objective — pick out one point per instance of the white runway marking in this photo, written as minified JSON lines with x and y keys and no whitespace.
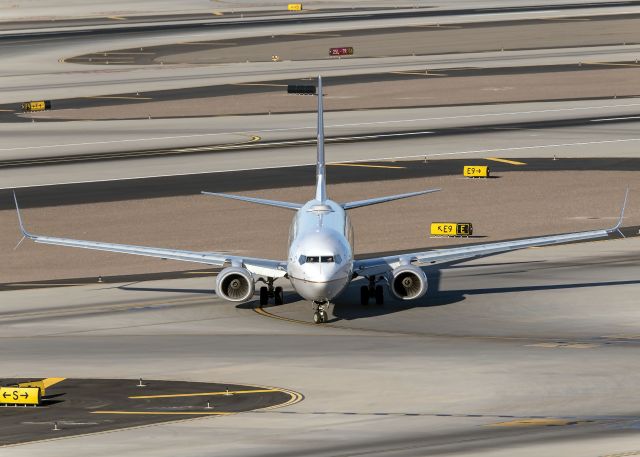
{"x":369,"y":159}
{"x":312,"y":127}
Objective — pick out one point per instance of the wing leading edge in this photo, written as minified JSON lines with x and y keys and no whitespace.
{"x":382,"y":264}
{"x":272,"y":268}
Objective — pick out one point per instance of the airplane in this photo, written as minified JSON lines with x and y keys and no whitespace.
{"x":320,"y":263}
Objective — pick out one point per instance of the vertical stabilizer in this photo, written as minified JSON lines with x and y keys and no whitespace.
{"x":321,"y":184}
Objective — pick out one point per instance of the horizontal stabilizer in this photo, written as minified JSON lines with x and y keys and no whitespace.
{"x":375,"y":201}
{"x":259,"y":201}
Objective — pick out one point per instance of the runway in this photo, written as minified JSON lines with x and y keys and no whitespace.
{"x":528,"y":353}
{"x":398,"y":382}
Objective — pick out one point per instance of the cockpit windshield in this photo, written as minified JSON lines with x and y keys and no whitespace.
{"x":319,"y":259}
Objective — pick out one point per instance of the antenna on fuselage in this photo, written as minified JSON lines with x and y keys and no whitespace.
{"x":321,"y":185}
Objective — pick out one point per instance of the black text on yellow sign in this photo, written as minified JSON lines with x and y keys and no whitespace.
{"x":294,"y":6}
{"x":36,"y":106}
{"x":476,"y":171}
{"x":451,"y":229}
{"x":19,"y":395}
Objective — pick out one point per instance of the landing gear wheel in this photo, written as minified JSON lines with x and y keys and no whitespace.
{"x":379,"y":295}
{"x":364,"y":295}
{"x":317,"y":318}
{"x":324,"y":317}
{"x":264,"y":296}
{"x":278,"y":297}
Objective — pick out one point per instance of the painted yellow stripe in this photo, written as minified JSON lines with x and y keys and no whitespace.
{"x":260,"y":84}
{"x":167,"y":413}
{"x":538,"y":422}
{"x":421,"y":73}
{"x":120,"y":97}
{"x":614,"y":64}
{"x":117,"y":18}
{"x":209,"y":394}
{"x":48,"y":382}
{"x":366,"y":166}
{"x":315,"y":34}
{"x":23,"y":284}
{"x":217,"y":13}
{"x":512,"y":162}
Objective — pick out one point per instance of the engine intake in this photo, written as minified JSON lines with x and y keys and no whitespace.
{"x":408,"y":282}
{"x":235,"y":284}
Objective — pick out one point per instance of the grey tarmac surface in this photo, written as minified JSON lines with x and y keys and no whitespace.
{"x":535,"y":357}
{"x":73,"y":407}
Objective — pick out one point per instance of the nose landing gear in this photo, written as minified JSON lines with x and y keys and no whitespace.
{"x":372,"y":291}
{"x":320,"y":315}
{"x":268,"y":291}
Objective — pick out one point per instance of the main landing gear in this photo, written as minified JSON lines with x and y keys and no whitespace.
{"x":268,"y":291}
{"x":320,"y":315}
{"x":372,"y":291}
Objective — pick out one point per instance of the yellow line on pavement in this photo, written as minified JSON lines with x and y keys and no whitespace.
{"x":260,"y":84}
{"x":209,"y":394}
{"x":167,"y":413}
{"x":117,"y":18}
{"x":418,"y":73}
{"x":48,"y":382}
{"x":512,"y":162}
{"x":365,"y":165}
{"x":537,"y":422}
{"x":22,"y":284}
{"x":217,"y":13}
{"x":614,"y":64}
{"x":314,"y":34}
{"x":116,"y":97}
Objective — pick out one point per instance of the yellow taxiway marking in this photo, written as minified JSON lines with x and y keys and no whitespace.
{"x":48,"y":382}
{"x":613,"y":64}
{"x":623,"y":454}
{"x":563,"y":345}
{"x":167,"y":413}
{"x":117,"y":18}
{"x":260,"y":84}
{"x":419,"y":73}
{"x":116,"y":97}
{"x":217,"y":13}
{"x":21,"y":284}
{"x":129,"y":53}
{"x":512,"y":162}
{"x":209,"y":394}
{"x":314,"y":34}
{"x":207,"y":43}
{"x":366,"y":165}
{"x":538,"y":422}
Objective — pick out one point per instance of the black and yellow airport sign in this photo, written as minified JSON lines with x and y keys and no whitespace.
{"x":40,"y":105}
{"x":19,"y":395}
{"x":294,"y":6}
{"x":476,"y":171}
{"x":451,"y":229}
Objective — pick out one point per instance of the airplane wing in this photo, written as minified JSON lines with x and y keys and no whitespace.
{"x":264,"y":267}
{"x":381,"y":265}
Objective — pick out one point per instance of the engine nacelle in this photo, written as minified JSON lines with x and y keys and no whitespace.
{"x":408,"y":282}
{"x":235,"y":284}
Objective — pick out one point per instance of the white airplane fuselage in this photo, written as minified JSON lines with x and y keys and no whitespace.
{"x":320,"y":262}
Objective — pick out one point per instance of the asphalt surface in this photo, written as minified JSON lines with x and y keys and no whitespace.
{"x":207,"y":95}
{"x":92,"y":26}
{"x":85,"y":406}
{"x":242,"y":181}
{"x":513,"y":355}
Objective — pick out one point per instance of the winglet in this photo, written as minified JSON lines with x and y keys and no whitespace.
{"x":22,"y":229}
{"x":616,"y":228}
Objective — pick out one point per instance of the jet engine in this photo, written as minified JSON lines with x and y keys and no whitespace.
{"x":408,"y":282}
{"x":235,"y":284}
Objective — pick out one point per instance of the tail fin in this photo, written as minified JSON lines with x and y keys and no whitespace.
{"x":321,"y":181}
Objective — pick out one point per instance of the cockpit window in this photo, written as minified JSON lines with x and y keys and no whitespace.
{"x":313,"y":259}
{"x":326,"y":259}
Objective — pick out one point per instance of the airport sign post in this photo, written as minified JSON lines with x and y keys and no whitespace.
{"x":344,"y":51}
{"x":19,"y":395}
{"x":476,"y":171}
{"x":451,"y":229}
